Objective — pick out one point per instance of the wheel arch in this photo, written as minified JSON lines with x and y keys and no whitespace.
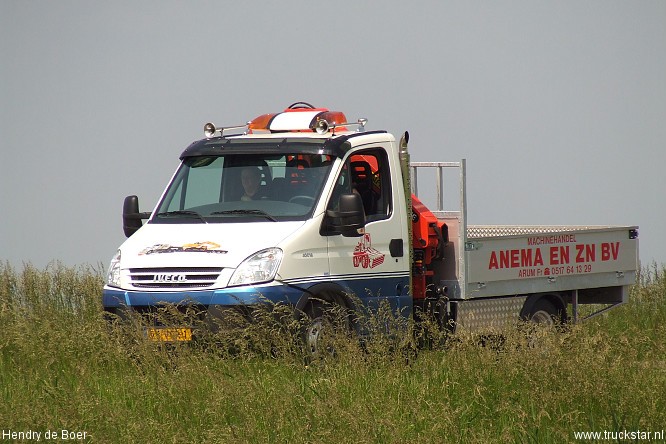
{"x":333,"y":294}
{"x":327,"y":292}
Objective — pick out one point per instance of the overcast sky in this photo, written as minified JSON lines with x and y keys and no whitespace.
{"x":559,"y":107}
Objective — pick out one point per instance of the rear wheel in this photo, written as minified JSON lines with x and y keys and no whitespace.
{"x":543,"y":318}
{"x":544,"y":312}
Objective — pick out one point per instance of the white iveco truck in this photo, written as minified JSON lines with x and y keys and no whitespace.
{"x":301,"y":206}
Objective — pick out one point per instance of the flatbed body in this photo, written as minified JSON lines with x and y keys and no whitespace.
{"x":489,"y":271}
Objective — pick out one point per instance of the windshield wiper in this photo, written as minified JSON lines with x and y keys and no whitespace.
{"x":246,"y":212}
{"x":183,"y":213}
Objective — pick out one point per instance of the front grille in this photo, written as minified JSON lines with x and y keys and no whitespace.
{"x":174,"y":277}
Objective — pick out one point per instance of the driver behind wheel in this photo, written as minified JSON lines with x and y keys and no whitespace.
{"x":251,"y":181}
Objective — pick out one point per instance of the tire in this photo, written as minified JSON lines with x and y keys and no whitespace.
{"x":325,"y":321}
{"x":544,"y":312}
{"x":313,"y":328}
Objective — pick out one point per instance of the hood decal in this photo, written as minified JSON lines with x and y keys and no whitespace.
{"x":196,"y":247}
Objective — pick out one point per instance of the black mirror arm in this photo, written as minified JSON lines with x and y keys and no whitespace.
{"x":140,"y":216}
{"x":339,"y":214}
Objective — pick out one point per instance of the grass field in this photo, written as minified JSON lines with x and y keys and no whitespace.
{"x":63,"y":368}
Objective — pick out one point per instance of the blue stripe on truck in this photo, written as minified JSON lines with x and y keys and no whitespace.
{"x":227,"y":296}
{"x":391,"y":288}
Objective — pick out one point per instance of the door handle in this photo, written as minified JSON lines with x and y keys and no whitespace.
{"x":396,"y":248}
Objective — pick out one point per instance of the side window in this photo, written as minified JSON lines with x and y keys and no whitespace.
{"x":175,"y":197}
{"x":367,"y":174}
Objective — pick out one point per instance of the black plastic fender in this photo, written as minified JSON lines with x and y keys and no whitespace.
{"x":329,"y":292}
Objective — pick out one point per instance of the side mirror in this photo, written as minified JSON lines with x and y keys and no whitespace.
{"x":131,"y":216}
{"x":349,"y":218}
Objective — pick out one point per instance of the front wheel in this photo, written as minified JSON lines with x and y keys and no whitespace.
{"x":325,"y":323}
{"x":316,"y":328}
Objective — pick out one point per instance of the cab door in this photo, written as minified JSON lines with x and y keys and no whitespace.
{"x":373,"y":265}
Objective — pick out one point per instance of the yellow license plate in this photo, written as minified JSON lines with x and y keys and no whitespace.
{"x":169,"y":334}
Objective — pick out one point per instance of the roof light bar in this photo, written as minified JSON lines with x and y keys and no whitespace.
{"x":299,"y":117}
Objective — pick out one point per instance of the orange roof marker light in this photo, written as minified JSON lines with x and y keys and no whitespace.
{"x":260,"y":123}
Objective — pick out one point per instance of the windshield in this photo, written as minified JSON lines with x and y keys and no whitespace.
{"x":244,"y":187}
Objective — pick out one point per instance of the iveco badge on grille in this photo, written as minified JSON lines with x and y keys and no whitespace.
{"x":169,"y":277}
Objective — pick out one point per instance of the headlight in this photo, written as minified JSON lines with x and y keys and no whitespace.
{"x":113,"y":276}
{"x":260,"y":267}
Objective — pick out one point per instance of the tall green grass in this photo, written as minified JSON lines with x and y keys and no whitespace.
{"x":62,"y":366}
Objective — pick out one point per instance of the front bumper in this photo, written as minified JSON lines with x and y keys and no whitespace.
{"x":213,"y":309}
{"x":235,"y":296}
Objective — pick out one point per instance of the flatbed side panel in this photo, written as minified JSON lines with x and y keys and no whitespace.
{"x":487,"y":315}
{"x":559,"y":284}
{"x":552,"y":260}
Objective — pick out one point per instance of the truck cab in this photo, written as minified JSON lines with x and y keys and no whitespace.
{"x":300,"y":206}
